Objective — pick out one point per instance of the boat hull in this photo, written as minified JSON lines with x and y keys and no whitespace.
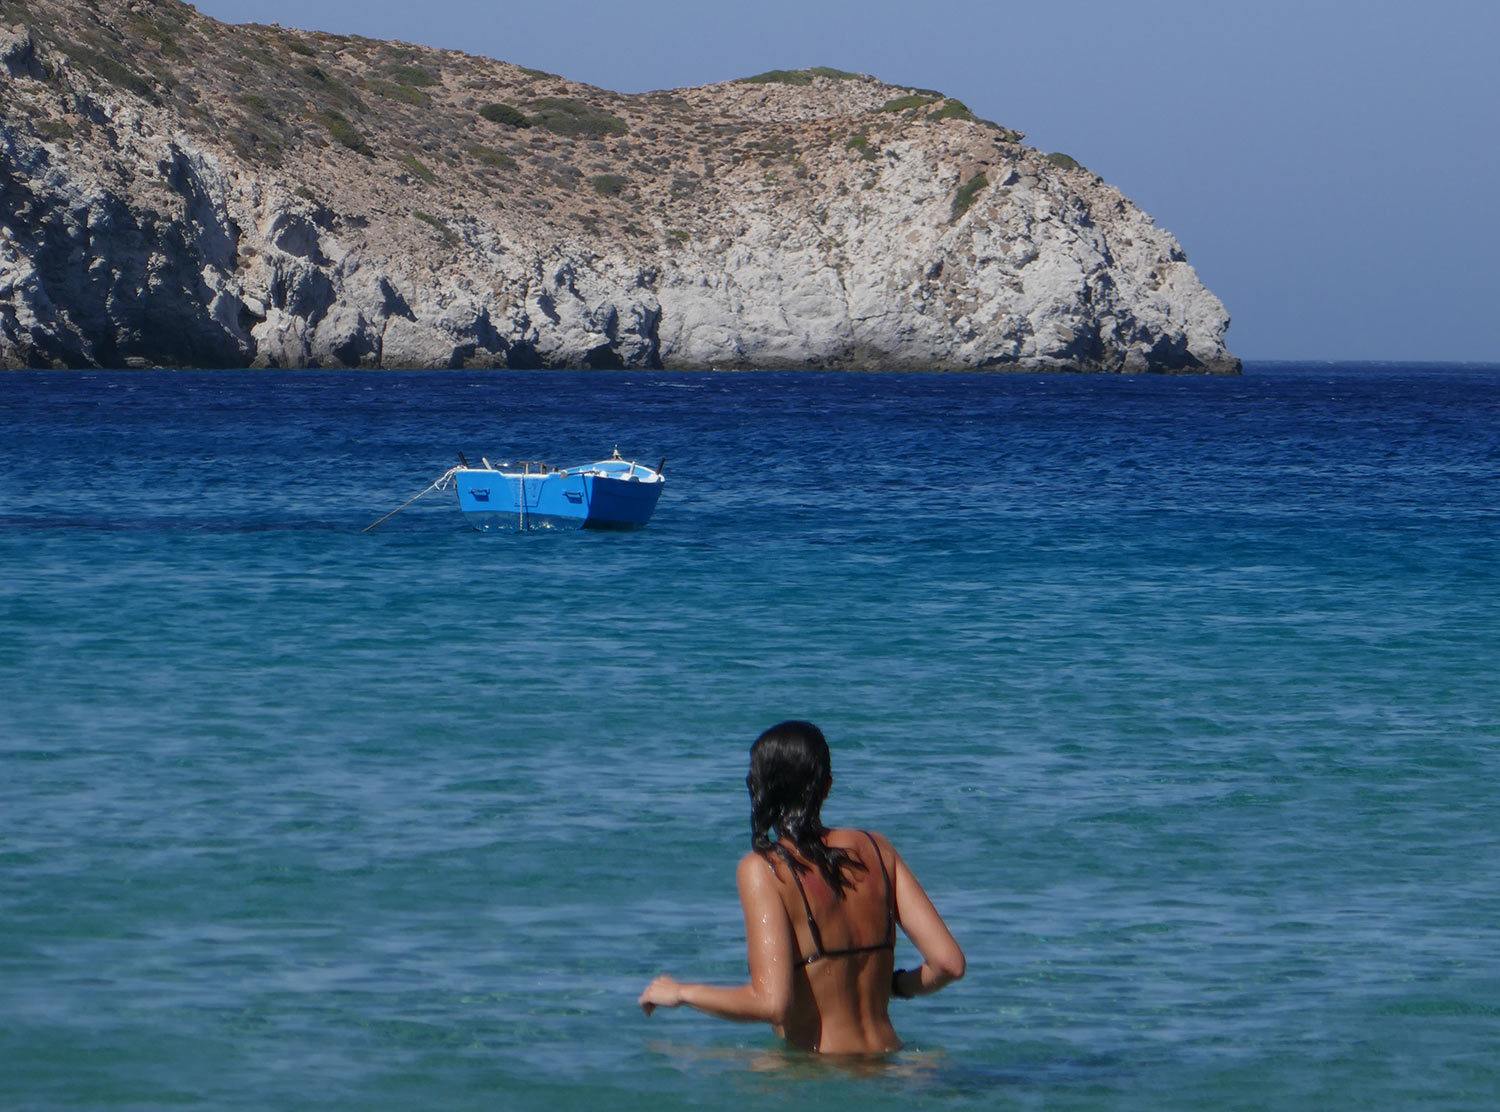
{"x":589,"y":497}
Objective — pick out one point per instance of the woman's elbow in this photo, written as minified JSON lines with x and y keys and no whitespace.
{"x":950,"y":967}
{"x":778,"y":1010}
{"x":771,"y":1002}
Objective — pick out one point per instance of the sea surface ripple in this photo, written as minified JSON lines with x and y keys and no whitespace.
{"x":1179,"y":694}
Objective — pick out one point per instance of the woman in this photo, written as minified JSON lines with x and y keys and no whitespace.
{"x":821,"y":910}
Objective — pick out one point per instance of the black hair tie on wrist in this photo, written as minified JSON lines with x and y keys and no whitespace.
{"x":896,"y":985}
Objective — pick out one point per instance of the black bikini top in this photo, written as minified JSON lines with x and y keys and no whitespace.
{"x":890,"y":917}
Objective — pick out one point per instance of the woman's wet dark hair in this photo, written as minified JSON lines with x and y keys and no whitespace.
{"x":790,"y":774}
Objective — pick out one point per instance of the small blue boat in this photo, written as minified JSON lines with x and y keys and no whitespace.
{"x":614,"y":493}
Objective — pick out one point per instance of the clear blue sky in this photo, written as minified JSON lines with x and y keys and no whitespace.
{"x":1331,"y":168}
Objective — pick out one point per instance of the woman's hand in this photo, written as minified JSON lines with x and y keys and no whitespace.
{"x":772,"y":952}
{"x":663,"y":992}
{"x":942,"y":959}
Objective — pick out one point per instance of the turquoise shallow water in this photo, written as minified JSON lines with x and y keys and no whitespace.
{"x":1178,"y":694}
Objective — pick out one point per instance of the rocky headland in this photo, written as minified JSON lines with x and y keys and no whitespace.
{"x":179,"y":192}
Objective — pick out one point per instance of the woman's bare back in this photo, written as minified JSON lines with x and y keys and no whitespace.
{"x":845,"y":950}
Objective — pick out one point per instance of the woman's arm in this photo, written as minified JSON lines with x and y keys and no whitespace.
{"x":942,"y":959}
{"x":772,"y":951}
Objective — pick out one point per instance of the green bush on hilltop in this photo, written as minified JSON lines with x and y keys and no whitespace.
{"x":779,"y":77}
{"x":346,"y":133}
{"x":563,"y":116}
{"x":799,"y":77}
{"x":492,"y":158}
{"x":417,"y":76}
{"x":504,"y":114}
{"x":953,"y":109}
{"x":404,"y":93}
{"x":1066,"y":162}
{"x":418,"y":167}
{"x":438,"y":225}
{"x":609,"y":185}
{"x":901,"y":104}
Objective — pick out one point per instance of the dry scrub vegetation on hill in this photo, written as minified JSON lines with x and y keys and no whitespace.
{"x":302,"y":198}
{"x":459,"y":124}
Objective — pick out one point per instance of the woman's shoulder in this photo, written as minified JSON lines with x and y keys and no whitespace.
{"x":754,"y":864}
{"x":858,"y":837}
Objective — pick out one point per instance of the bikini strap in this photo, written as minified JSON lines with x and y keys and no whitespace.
{"x":812,"y":924}
{"x":890,"y":892}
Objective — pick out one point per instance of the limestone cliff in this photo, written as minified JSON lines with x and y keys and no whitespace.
{"x":175,"y":191}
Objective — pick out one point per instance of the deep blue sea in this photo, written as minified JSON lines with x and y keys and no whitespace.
{"x":1179,"y":694}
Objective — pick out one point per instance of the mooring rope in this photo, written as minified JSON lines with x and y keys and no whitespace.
{"x":440,"y":483}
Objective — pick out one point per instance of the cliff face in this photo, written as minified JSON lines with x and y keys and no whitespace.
{"x":178,"y":192}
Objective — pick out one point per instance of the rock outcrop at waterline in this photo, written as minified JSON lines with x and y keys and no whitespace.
{"x":180,"y":192}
